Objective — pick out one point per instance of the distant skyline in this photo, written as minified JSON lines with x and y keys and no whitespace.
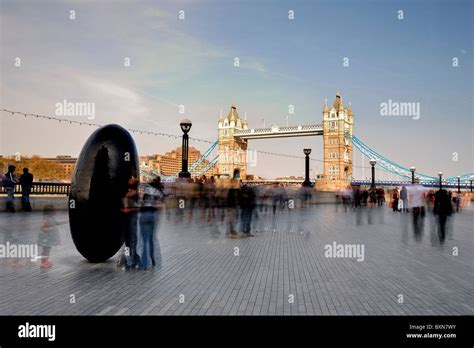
{"x":282,"y":62}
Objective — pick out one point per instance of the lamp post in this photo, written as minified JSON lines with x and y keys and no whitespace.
{"x":373,"y":162}
{"x":185,"y":127}
{"x":440,"y":174}
{"x":471,"y":179}
{"x":306,"y":181}
{"x":412,"y":170}
{"x":459,"y":184}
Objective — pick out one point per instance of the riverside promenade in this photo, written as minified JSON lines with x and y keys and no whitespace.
{"x":283,"y":270}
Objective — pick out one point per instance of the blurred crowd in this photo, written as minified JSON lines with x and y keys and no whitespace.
{"x":415,"y":200}
{"x":239,"y":210}
{"x":237,"y":206}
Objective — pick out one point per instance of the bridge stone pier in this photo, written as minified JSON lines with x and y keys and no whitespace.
{"x":337,"y":148}
{"x":232,"y":149}
{"x":234,"y":133}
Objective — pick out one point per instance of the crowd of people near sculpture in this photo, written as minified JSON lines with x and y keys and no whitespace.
{"x":237,"y":208}
{"x":200,"y":201}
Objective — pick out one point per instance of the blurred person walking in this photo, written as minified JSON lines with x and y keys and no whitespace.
{"x":273,"y":193}
{"x":365,"y":197}
{"x":207,"y":196}
{"x":232,"y":212}
{"x":443,"y":209}
{"x":372,"y":204}
{"x":380,"y":196}
{"x":404,"y":198}
{"x":416,"y":198}
{"x":457,"y":201}
{"x":395,"y":198}
{"x":247,"y":205}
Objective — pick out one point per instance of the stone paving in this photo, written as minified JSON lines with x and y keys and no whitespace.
{"x":282,"y":271}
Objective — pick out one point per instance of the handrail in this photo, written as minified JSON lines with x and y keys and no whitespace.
{"x":278,"y":130}
{"x":44,"y":188}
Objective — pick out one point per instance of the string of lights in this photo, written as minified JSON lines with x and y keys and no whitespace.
{"x":144,"y":132}
{"x":83,"y":123}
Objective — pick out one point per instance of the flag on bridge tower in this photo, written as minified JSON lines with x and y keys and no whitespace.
{"x":338,"y":106}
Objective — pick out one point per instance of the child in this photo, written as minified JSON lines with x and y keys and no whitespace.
{"x":49,"y":235}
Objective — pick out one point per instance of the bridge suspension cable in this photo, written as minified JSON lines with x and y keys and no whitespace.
{"x":383,"y":161}
{"x":395,"y":168}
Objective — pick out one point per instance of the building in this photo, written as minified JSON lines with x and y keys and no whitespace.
{"x":59,"y":168}
{"x":169,"y":164}
{"x":66,"y":165}
{"x":232,"y":150}
{"x":337,"y":120}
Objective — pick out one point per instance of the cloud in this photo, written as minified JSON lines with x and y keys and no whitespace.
{"x":114,"y":100}
{"x":110,"y":88}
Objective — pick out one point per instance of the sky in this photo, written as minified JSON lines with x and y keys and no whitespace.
{"x":282,"y":62}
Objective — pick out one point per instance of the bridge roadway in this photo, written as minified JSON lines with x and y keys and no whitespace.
{"x":287,"y":257}
{"x":280,"y":132}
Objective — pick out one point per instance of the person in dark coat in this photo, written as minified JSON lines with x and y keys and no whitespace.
{"x":247,"y":202}
{"x":26,"y":182}
{"x":396,"y":197}
{"x":404,"y":198}
{"x":380,"y":196}
{"x":443,"y":209}
{"x":365,"y":197}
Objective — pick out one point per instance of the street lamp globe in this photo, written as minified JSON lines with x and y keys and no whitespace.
{"x":440,"y":174}
{"x":373,"y":162}
{"x":186,"y":125}
{"x":307,"y":152}
{"x":412,"y":169}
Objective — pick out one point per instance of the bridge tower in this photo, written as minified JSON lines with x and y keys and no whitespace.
{"x":232,"y":151}
{"x":337,"y":148}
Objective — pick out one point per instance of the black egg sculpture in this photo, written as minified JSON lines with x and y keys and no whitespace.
{"x":107,"y":162}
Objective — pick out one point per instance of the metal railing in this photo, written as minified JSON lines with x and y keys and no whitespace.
{"x":435,"y":184}
{"x":44,"y":188}
{"x":278,"y":129}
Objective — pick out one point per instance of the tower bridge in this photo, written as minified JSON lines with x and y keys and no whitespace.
{"x":338,"y":142}
{"x":337,"y":122}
